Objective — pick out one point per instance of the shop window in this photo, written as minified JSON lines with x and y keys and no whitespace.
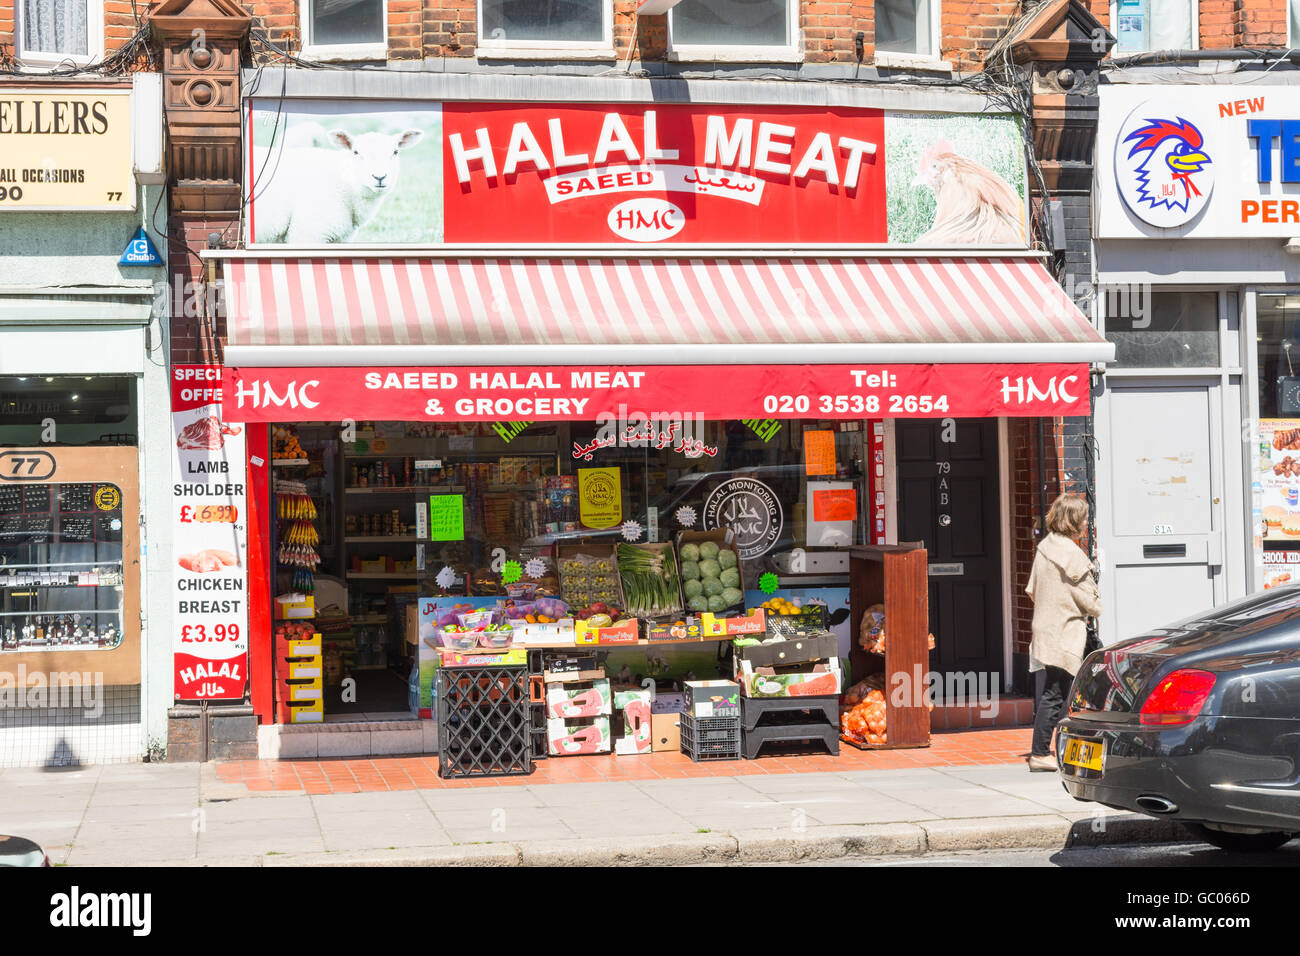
{"x":61,"y":573}
{"x":905,"y":26}
{"x":345,"y":28}
{"x":1277,"y":322}
{"x":1163,"y":329}
{"x":555,"y":24}
{"x":66,"y":410}
{"x":1145,"y":25}
{"x":54,"y":32}
{"x":750,"y":25}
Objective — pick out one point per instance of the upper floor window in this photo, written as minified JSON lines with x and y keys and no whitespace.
{"x":562,"y":25}
{"x":906,"y":27}
{"x":54,"y":32}
{"x":1142,"y":26}
{"x":1293,"y":22}
{"x":345,"y":29}
{"x":753,"y":27}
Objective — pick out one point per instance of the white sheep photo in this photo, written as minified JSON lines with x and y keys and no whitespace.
{"x":320,"y":187}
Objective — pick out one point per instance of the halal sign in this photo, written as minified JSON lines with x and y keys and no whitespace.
{"x":751,"y":510}
{"x":1163,"y":166}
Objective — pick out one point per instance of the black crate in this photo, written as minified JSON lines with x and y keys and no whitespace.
{"x":484,"y":722}
{"x":819,"y":733}
{"x":763,"y":711}
{"x":710,"y":738}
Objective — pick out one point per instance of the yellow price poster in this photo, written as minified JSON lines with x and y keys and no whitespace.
{"x":66,"y":149}
{"x":600,"y":497}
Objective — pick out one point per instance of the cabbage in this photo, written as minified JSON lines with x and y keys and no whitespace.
{"x":709,"y":549}
{"x":692,"y":589}
{"x":698,"y":603}
{"x":690,"y":552}
{"x":716,"y":604}
{"x":710,"y":569}
{"x":730,"y":578}
{"x":727,"y":558}
{"x":732,"y":596}
{"x":712,"y":587}
{"x":690,"y":570}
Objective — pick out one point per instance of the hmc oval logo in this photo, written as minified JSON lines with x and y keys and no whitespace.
{"x":646,"y":219}
{"x":1163,"y":165}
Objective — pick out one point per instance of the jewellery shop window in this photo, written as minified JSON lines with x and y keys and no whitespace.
{"x":485,"y":509}
{"x":61,"y":566}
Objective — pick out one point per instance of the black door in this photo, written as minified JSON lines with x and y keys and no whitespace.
{"x":948,"y":498}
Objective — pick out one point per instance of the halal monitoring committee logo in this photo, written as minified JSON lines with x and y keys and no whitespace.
{"x":1163,"y":168}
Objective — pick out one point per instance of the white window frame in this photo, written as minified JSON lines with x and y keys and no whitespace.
{"x":1196,"y":26}
{"x":40,"y":60}
{"x":742,"y":53}
{"x":919,"y":61}
{"x":341,"y":52}
{"x":603,"y":49}
{"x":1290,"y":34}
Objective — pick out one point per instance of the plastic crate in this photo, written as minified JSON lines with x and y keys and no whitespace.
{"x":710,"y":738}
{"x":484,"y":722}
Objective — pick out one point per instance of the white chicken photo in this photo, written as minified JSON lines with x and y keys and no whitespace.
{"x":973,"y":204}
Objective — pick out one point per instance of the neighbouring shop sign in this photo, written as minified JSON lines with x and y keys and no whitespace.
{"x":1198,"y":161}
{"x":610,"y":394}
{"x":209,"y":541}
{"x":432,"y":173}
{"x":64,"y":149}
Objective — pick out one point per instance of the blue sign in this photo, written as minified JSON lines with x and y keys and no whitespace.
{"x":140,"y":251}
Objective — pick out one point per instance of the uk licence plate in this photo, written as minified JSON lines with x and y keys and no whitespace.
{"x":1084,"y":754}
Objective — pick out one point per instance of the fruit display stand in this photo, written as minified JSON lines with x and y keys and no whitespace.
{"x":895,"y":576}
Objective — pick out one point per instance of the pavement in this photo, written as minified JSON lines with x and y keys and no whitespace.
{"x":191,"y":814}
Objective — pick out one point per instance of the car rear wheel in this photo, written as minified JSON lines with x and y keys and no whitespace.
{"x":1240,"y":842}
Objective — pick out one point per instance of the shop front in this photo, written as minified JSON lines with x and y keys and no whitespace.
{"x":634,"y":455}
{"x":81,"y":372}
{"x":1196,"y":278}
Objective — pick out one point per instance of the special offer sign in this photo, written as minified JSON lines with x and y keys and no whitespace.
{"x":209,"y":532}
{"x":568,"y":173}
{"x":594,"y":393}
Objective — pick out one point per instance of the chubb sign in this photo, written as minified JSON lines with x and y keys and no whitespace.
{"x":1212,"y":162}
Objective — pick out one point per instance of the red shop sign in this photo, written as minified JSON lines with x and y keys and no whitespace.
{"x":595,"y":393}
{"x":567,"y":173}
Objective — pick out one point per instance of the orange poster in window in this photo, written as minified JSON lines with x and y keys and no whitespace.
{"x":819,"y":452}
{"x":835,"y":504}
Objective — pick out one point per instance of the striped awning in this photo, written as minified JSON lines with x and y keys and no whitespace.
{"x":498,"y":310}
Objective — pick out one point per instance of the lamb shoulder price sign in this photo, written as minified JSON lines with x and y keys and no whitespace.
{"x":66,"y":150}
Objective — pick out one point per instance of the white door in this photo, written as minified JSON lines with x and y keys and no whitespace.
{"x":1160,"y":515}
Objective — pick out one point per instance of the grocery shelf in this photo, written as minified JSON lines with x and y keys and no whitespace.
{"x":381,"y":538}
{"x":290,"y":462}
{"x":383,"y":576}
{"x":402,"y":490}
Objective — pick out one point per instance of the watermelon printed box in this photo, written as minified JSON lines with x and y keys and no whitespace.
{"x":821,"y":680}
{"x":571,"y":701}
{"x":634,"y":705}
{"x":567,"y":739}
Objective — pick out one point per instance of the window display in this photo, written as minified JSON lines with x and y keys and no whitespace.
{"x":61,"y":572}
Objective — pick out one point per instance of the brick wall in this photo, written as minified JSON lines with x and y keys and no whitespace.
{"x":969,"y":27}
{"x":194,"y":334}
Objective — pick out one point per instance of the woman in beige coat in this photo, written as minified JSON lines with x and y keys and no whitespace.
{"x":1063,"y":587}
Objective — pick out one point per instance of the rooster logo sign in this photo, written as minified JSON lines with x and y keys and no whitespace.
{"x":1162,"y":168}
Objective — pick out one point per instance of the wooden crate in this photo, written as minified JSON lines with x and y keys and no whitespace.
{"x":895,"y":575}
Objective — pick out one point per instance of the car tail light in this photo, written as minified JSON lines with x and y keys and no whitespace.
{"x":1178,"y":698}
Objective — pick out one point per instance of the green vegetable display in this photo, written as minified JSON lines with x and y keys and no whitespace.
{"x":692,"y":589}
{"x":712,"y":587}
{"x":708,"y":550}
{"x":717,"y":604}
{"x":730,"y":578}
{"x":650,"y":580}
{"x":699,"y":603}
{"x":690,"y":552}
{"x":690,"y":569}
{"x":727,"y":558}
{"x":709,"y":569}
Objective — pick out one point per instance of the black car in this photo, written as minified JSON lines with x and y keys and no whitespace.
{"x":1199,"y":722}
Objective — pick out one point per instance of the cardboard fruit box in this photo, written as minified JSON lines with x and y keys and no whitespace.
{"x":565,"y":739}
{"x":309,"y":646}
{"x":711,"y":698}
{"x":685,"y":629}
{"x":511,"y":658}
{"x":793,"y":650}
{"x":303,"y":688}
{"x":572,"y":701}
{"x":723,"y":538}
{"x":624,"y":632}
{"x":822,"y":679}
{"x":300,"y":712}
{"x":714,"y":625}
{"x":562,"y":631}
